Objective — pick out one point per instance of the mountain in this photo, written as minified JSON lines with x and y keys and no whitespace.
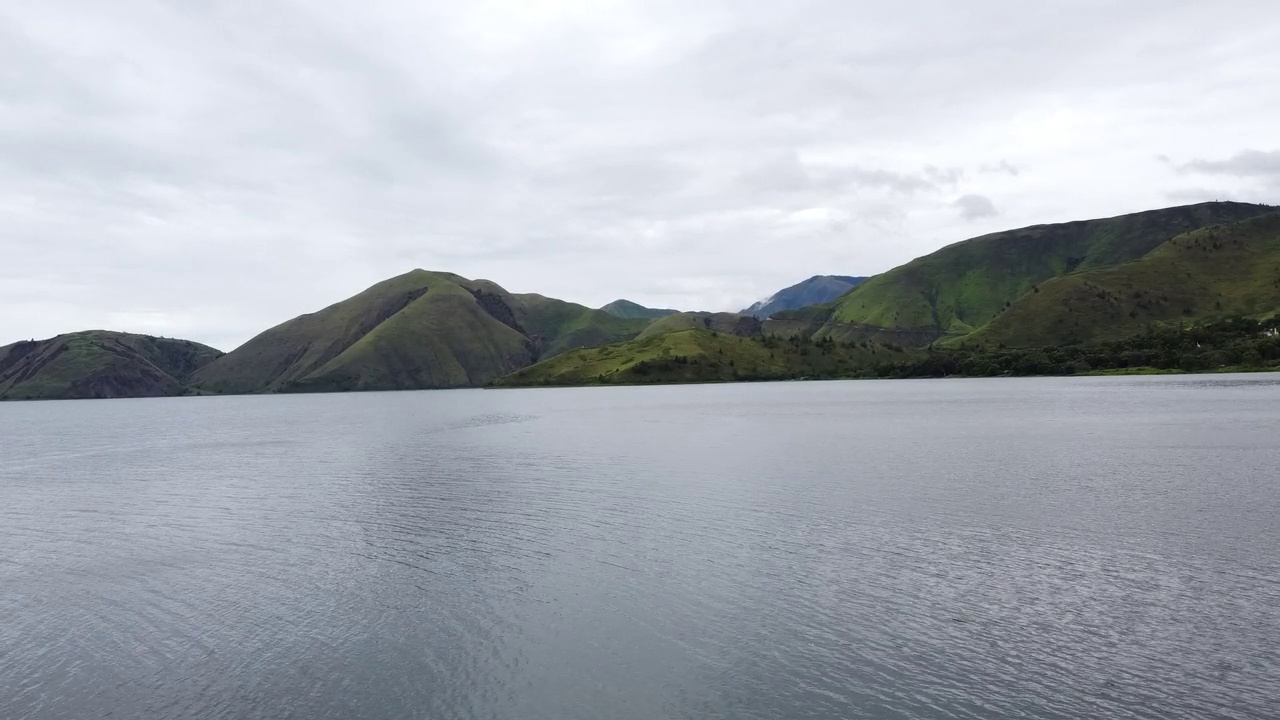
{"x":417,"y":330}
{"x":701,"y":355}
{"x":631,"y":311}
{"x":1094,"y":287}
{"x":817,"y":289}
{"x":1210,"y":274}
{"x":420,"y":329}
{"x":730,"y":323}
{"x":963,"y":286}
{"x":99,"y":364}
{"x":555,"y":326}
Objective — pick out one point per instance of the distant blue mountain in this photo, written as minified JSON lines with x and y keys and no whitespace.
{"x":817,"y":289}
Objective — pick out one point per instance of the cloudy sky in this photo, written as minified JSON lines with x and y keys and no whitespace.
{"x":208,"y":169}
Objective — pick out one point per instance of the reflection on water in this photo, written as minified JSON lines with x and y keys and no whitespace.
{"x":1046,"y":548}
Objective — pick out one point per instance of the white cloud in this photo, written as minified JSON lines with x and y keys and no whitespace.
{"x":1247,"y":163}
{"x":975,"y":207}
{"x":208,"y":170}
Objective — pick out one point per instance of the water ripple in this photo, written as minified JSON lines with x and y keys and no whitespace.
{"x":947,"y":550}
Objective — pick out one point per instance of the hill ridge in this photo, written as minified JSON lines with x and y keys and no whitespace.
{"x":1207,"y":275}
{"x":627,"y":309}
{"x":961,"y":286}
{"x":420,"y":329}
{"x":100,"y":364}
{"x":1080,"y":282}
{"x":813,"y":290}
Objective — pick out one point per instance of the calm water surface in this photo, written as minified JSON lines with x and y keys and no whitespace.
{"x":1041,"y":548}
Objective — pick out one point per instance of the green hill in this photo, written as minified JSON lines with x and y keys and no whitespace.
{"x":1069,"y":285}
{"x":814,"y":321}
{"x":1208,"y":275}
{"x":963,"y":286}
{"x":555,"y":326}
{"x":418,"y":330}
{"x":290,"y":353}
{"x":631,"y":311}
{"x":701,"y":355}
{"x":99,"y":364}
{"x":730,"y":323}
{"x":1237,"y":344}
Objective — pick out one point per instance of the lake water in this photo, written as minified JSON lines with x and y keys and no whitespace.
{"x":1037,"y":548}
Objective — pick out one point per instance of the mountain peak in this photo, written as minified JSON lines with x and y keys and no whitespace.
{"x":632,"y":310}
{"x":817,"y":289}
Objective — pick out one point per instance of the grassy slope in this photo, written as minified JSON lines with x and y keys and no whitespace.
{"x":1233,"y":344}
{"x":962,"y":286}
{"x":1201,"y":276}
{"x":420,"y":329}
{"x":443,"y":339}
{"x":100,"y":364}
{"x":556,"y":326}
{"x":696,"y":355}
{"x":815,"y":321}
{"x":632,"y":311}
{"x":294,"y":349}
{"x":731,"y":323}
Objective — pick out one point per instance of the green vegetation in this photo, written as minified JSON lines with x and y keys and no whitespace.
{"x":702,"y":355}
{"x":1235,"y":344}
{"x":699,"y":355}
{"x":1206,"y":300}
{"x":418,"y":330}
{"x":1160,"y":291}
{"x":963,"y":286}
{"x":730,"y":323}
{"x":444,"y":338}
{"x":555,"y":326}
{"x":99,"y":364}
{"x":1210,"y":274}
{"x":635,"y":311}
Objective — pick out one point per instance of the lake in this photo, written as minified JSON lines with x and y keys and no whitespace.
{"x":1005,"y":548}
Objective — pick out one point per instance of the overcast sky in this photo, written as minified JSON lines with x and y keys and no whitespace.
{"x":209,"y":169}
